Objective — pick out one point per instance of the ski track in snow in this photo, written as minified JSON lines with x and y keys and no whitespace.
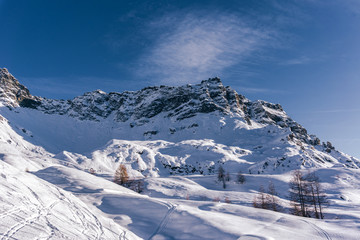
{"x":41,"y":212}
{"x":10,"y":212}
{"x":26,"y":221}
{"x":165,"y":220}
{"x":319,"y":230}
{"x":75,"y":209}
{"x":122,"y":236}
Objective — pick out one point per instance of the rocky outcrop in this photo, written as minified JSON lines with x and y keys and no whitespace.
{"x":174,"y":102}
{"x":177,"y":103}
{"x":12,"y":93}
{"x":207,"y":112}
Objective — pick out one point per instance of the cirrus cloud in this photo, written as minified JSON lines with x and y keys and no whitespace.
{"x":190,"y":47}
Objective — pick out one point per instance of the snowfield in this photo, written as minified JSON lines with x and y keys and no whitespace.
{"x":59,"y":199}
{"x":35,"y":209}
{"x":175,"y":208}
{"x":58,"y":160}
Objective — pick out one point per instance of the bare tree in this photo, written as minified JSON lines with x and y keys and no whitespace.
{"x":227,"y":177}
{"x":306,"y":195}
{"x":136,"y":185}
{"x":121,"y":176}
{"x":317,"y":196}
{"x":311,"y":178}
{"x":267,"y":200}
{"x":240,"y":178}
{"x":221,"y":176}
{"x":298,"y":194}
{"x":260,"y":199}
{"x":221,"y":173}
{"x":271,"y":198}
{"x":321,"y":199}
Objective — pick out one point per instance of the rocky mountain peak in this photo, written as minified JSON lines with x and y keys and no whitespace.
{"x":139,"y":107}
{"x":213,"y":81}
{"x":207,"y":110}
{"x":12,"y":93}
{"x":4,"y":72}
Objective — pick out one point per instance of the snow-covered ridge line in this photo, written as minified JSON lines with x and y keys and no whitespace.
{"x":208,"y":112}
{"x":176,"y":103}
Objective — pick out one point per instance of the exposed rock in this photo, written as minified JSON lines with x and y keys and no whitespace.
{"x":12,"y":93}
{"x":177,"y":103}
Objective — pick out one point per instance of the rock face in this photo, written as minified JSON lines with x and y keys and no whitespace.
{"x":210,"y":114}
{"x":12,"y":93}
{"x":177,"y":103}
{"x":173,"y":102}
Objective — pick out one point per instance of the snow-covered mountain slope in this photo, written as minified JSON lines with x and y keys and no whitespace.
{"x":194,"y":128}
{"x":48,"y":146}
{"x":73,"y":204}
{"x":31,"y":208}
{"x":183,"y":207}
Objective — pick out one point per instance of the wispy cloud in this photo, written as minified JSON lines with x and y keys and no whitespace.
{"x":193,"y":46}
{"x":339,"y":110}
{"x":242,"y":89}
{"x":331,"y":111}
{"x":296,"y":61}
{"x":352,"y":6}
{"x":261,"y":90}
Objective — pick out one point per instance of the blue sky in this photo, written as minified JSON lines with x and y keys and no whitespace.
{"x":303,"y":54}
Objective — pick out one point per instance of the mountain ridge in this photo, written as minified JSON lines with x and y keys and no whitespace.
{"x":181,"y":119}
{"x":208,"y":96}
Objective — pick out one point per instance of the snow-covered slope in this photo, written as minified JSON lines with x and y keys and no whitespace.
{"x":184,"y":208}
{"x":175,"y":139}
{"x":31,"y":208}
{"x":34,"y":209}
{"x":194,"y":128}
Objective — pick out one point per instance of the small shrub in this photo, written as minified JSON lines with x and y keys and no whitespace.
{"x":241,"y":178}
{"x":216,"y":199}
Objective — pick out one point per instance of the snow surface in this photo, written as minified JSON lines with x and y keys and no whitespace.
{"x":57,"y":198}
{"x":48,"y":191}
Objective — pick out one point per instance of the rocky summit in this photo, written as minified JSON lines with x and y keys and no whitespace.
{"x":176,"y":103}
{"x":210,"y":124}
{"x":11,"y":91}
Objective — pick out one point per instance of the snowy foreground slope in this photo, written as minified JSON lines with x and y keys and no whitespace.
{"x":174,"y":138}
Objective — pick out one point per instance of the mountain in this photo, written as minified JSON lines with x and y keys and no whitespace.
{"x":168,"y":130}
{"x":174,"y":139}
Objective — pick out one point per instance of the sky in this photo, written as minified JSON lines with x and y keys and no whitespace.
{"x":303,"y":54}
